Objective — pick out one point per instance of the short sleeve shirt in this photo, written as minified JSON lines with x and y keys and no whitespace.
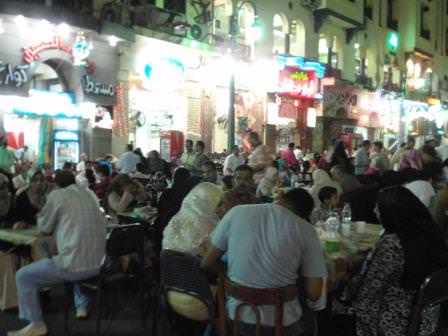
{"x":268,"y":246}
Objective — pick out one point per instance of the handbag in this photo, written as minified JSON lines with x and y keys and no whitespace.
{"x":8,"y":290}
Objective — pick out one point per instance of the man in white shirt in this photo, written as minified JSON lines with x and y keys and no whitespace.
{"x":127,"y":164}
{"x":81,"y":166}
{"x":259,"y":159}
{"x":188,"y":156}
{"x":73,"y":217}
{"x":298,"y":153}
{"x":232,"y":161}
{"x":267,"y":246}
{"x":362,"y":160}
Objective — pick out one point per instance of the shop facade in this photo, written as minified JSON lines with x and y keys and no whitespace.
{"x":57,"y":90}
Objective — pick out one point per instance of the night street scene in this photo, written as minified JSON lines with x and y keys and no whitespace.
{"x":224,"y":167}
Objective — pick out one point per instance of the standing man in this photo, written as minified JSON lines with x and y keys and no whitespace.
{"x":72,"y":215}
{"x":127,"y":163}
{"x":81,"y":166}
{"x":362,"y":161}
{"x":289,"y":156}
{"x":233,"y":161}
{"x":7,"y":158}
{"x":259,"y":159}
{"x":189,"y":155}
{"x":268,"y":246}
{"x":200,"y":158}
{"x":241,"y":192}
{"x":298,"y":153}
{"x":378,"y":159}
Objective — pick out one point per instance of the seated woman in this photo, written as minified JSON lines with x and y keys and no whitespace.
{"x":380,"y":297}
{"x":125,"y":194}
{"x":7,"y":209}
{"x":30,"y":200}
{"x":329,"y":199}
{"x":180,"y":176}
{"x":189,"y":230}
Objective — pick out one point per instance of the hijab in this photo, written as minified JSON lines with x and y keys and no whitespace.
{"x":191,"y":227}
{"x":425,"y":251}
{"x":423,"y":190}
{"x":322,"y":179}
{"x":268,"y":182}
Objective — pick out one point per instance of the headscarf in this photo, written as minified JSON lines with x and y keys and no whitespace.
{"x":189,"y":230}
{"x":423,"y":190}
{"x":322,"y":179}
{"x":424,"y":249}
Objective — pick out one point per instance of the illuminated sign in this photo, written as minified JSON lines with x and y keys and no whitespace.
{"x":31,"y":54}
{"x":13,"y":75}
{"x":162,"y":75}
{"x":297,"y":83}
{"x":96,"y":88}
{"x":302,"y":63}
{"x":38,"y":104}
{"x":392,"y":41}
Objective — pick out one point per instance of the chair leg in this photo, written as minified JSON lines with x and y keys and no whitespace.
{"x":100,"y":309}
{"x":66,"y":308}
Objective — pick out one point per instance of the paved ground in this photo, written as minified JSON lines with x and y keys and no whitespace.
{"x":127,"y":320}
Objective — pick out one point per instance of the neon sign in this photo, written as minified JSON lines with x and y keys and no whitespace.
{"x":31,"y":54}
{"x":297,"y":83}
{"x":10,"y":75}
{"x":97,"y":88}
{"x":302,"y":63}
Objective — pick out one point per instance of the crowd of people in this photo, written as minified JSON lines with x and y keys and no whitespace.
{"x":256,"y":216}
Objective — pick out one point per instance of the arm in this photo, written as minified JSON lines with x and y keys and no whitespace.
{"x":49,"y":215}
{"x":211,"y":260}
{"x":313,"y":288}
{"x":120,"y":204}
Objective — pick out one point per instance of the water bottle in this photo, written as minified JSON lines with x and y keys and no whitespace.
{"x":333,"y":224}
{"x":346,"y":214}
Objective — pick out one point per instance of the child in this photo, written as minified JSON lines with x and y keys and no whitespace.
{"x":329,"y":199}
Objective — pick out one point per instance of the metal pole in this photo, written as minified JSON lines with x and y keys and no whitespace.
{"x":231,"y":116}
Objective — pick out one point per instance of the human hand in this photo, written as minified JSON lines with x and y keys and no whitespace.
{"x":19,"y":225}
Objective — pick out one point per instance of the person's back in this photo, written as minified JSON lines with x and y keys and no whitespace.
{"x":350,"y":183}
{"x":128,"y":162}
{"x":79,"y":227}
{"x":266,"y":246}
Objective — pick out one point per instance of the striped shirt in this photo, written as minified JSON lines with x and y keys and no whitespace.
{"x":72,"y":215}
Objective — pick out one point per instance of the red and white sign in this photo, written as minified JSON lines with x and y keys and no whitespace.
{"x":298,"y":83}
{"x":31,"y":54}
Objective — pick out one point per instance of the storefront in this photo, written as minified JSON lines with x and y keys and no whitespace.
{"x":57,"y":89}
{"x":293,"y":101}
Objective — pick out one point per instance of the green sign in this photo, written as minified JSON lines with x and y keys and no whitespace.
{"x":392,"y":41}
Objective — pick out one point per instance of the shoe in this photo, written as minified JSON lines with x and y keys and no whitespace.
{"x":82,"y":312}
{"x":30,"y":330}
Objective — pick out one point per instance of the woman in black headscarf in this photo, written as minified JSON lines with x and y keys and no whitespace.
{"x":380,"y":297}
{"x":339,"y":156}
{"x":180,"y":176}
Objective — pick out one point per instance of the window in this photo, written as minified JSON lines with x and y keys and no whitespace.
{"x":246,"y":18}
{"x":368,"y":9}
{"x":425,"y":32}
{"x":297,"y":40}
{"x":280,"y":34}
{"x":392,"y":22}
{"x":178,"y":6}
{"x":324,"y":48}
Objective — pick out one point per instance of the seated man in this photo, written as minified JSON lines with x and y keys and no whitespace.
{"x":209,"y":172}
{"x":266,"y":246}
{"x":73,"y":217}
{"x":241,"y":192}
{"x":348,"y":182}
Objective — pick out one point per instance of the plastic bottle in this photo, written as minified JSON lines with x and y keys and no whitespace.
{"x":346,"y":214}
{"x":333,"y":224}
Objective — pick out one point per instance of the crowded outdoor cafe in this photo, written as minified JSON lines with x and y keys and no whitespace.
{"x":241,"y":243}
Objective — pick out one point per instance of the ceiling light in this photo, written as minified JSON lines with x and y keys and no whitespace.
{"x":113,"y":40}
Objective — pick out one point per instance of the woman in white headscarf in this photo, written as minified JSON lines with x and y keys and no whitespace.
{"x":189,"y":230}
{"x":322,"y":179}
{"x":269,"y":183}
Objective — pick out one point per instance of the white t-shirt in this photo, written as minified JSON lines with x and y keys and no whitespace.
{"x":231,"y":163}
{"x":266,"y":246}
{"x":128,"y":162}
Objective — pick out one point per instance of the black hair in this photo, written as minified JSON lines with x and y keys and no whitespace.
{"x":391,"y":178}
{"x":430,"y":150}
{"x":245,"y":167}
{"x":140,"y":167}
{"x":301,"y":202}
{"x":326,"y":193}
{"x":180,"y":175}
{"x":64,"y":178}
{"x":291,"y":145}
{"x":90,"y":176}
{"x":189,"y":141}
{"x":425,"y":251}
{"x":67,"y":165}
{"x":366,"y":143}
{"x":378,"y":144}
{"x":200,"y":143}
{"x":209,"y":164}
{"x":130,"y":147}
